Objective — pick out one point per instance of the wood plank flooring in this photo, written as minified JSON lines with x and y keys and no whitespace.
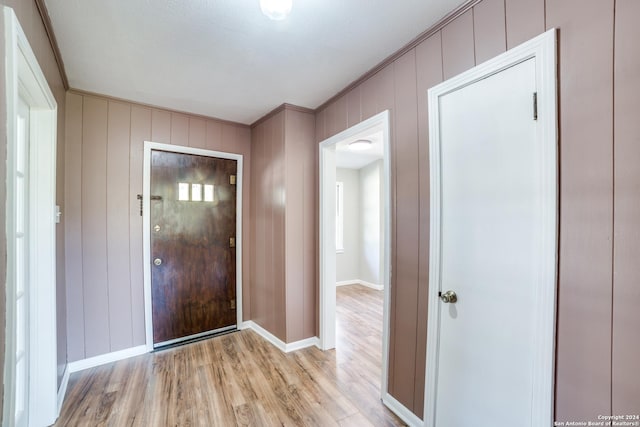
{"x":242,"y":380}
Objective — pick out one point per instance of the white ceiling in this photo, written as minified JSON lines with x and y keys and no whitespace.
{"x":348,"y":159}
{"x":223,"y":58}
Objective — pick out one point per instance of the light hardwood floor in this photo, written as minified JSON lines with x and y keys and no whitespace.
{"x":241,"y":379}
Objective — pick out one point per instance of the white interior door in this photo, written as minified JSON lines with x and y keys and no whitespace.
{"x":492,"y":250}
{"x":489,"y":247}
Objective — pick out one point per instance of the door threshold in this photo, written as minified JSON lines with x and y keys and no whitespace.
{"x":194,"y":338}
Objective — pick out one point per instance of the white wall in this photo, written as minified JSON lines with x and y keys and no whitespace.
{"x":348,"y":262}
{"x":371,"y":223}
{"x":363,"y":225}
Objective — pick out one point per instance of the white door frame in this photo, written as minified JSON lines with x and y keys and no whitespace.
{"x":146,"y":224}
{"x":328,"y":237}
{"x":543,"y":49}
{"x":25,"y":79}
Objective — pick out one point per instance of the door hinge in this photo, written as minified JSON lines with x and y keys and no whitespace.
{"x":535,"y":105}
{"x":232,"y":242}
{"x":232,"y":180}
{"x":232,"y":304}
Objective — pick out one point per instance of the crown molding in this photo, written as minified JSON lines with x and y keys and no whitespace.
{"x":404,"y":49}
{"x":280,"y":108}
{"x":48,"y":27}
{"x":154,"y":107}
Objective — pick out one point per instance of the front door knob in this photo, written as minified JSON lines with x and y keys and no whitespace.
{"x":449,"y":297}
{"x":157,"y":261}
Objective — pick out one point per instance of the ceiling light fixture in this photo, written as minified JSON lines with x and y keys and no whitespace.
{"x":276,"y":9}
{"x":360,"y":145}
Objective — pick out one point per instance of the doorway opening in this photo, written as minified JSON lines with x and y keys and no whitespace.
{"x":334,"y":152}
{"x":30,"y":371}
{"x":192,"y":234}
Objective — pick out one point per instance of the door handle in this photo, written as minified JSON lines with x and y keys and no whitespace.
{"x":448,"y":297}
{"x":157,"y":261}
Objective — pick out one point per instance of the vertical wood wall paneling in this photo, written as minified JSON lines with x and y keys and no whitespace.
{"x":368,"y":96}
{"x":584,"y":361}
{"x":61,"y":274}
{"x":294,"y":227}
{"x":271,"y":295}
{"x":228,"y":138}
{"x":385,"y":95}
{"x":283,"y":278}
{"x":264,"y":249}
{"x":140,"y":132}
{"x":73,"y":235}
{"x":268,"y":272}
{"x":583,"y":377}
{"x":429,"y":73}
{"x":626,"y":289}
{"x":266,"y":218}
{"x":458,"y":45}
{"x":405,"y":291}
{"x":310,"y":214}
{"x":161,"y":126}
{"x":337,"y":116}
{"x":118,"y":245}
{"x":263,"y":244}
{"x":382,"y":96}
{"x":525,"y":20}
{"x":256,"y":232}
{"x":106,"y":157}
{"x":316,"y":233}
{"x":213,"y":135}
{"x":299,"y":140}
{"x":489,"y":29}
{"x":179,"y":129}
{"x":321,"y":134}
{"x":244,"y":147}
{"x":279,"y":180}
{"x":94,"y":226}
{"x":353,"y":107}
{"x":197,"y":133}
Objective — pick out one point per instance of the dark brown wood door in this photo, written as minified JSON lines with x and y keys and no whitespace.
{"x":193,"y":256}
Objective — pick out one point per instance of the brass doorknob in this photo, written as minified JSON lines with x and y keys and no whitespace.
{"x":157,"y":261}
{"x":449,"y":297}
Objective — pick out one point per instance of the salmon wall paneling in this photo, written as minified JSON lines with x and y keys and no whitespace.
{"x":598,"y":104}
{"x":104,"y":161}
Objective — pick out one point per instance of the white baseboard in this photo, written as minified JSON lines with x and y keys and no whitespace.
{"x":360,"y":282}
{"x":281,"y":345}
{"x":103,"y":359}
{"x":62,"y":390}
{"x":401,"y":411}
{"x":297,"y":345}
{"x":92,"y":362}
{"x":347,"y":282}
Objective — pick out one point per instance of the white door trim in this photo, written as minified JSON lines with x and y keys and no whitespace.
{"x":543,"y":49}
{"x":328,"y":243}
{"x":146,"y":223}
{"x":25,"y":79}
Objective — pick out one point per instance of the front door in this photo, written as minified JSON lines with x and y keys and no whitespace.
{"x":493,"y":251}
{"x":193,"y":226}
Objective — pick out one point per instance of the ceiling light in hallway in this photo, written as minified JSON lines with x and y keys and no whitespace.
{"x":360,"y":145}
{"x":276,"y":9}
